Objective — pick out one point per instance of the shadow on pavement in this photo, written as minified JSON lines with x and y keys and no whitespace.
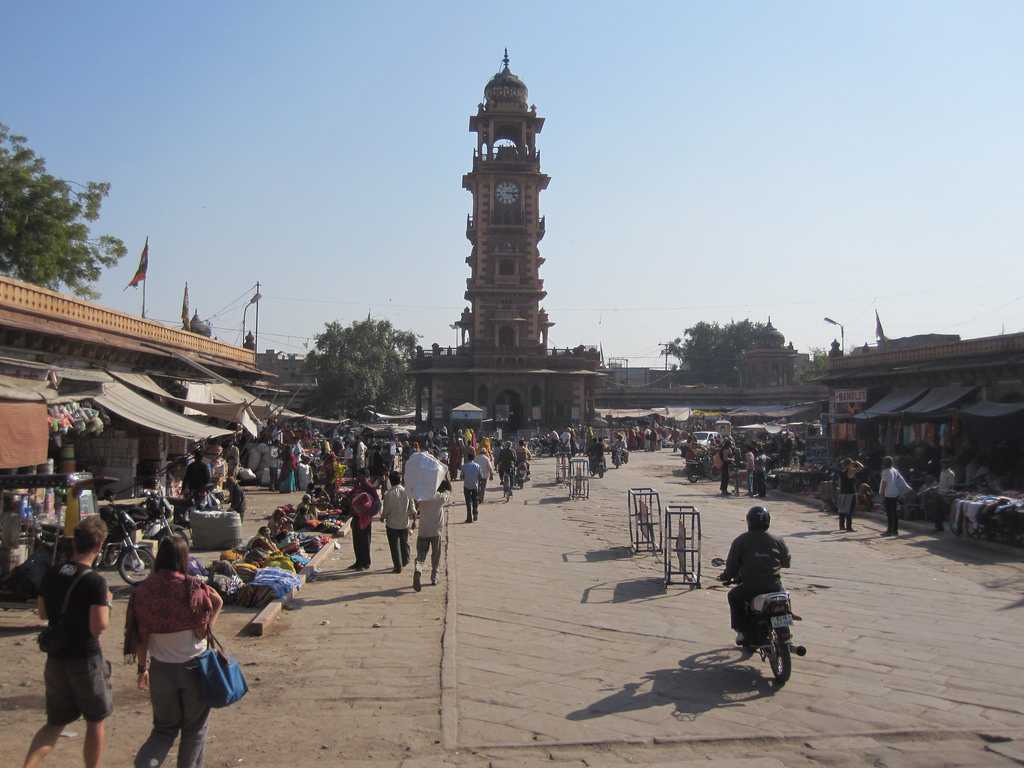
{"x":635,"y":589}
{"x":954,"y":548}
{"x":301,"y":602}
{"x":701,"y":683}
{"x":598,"y":555}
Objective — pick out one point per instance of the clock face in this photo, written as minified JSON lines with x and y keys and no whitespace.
{"x":507,"y":192}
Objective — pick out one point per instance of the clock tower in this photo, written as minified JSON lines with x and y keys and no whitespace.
{"x":503,"y":360}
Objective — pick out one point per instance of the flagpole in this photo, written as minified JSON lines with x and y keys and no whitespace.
{"x":143,"y":298}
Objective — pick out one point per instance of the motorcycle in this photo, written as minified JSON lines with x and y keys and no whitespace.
{"x":698,"y":469}
{"x":163,"y":519}
{"x":598,"y":466}
{"x":133,"y":562}
{"x":768,"y":630}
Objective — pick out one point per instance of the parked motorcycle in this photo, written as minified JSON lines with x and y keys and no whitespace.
{"x":768,"y":630}
{"x":162,"y":519}
{"x":698,"y":469}
{"x":120,"y":551}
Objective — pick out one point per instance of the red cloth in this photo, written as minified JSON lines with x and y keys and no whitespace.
{"x":24,"y":435}
{"x":168,"y":601}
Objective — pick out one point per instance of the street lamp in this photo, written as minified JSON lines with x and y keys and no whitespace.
{"x":842,"y":332}
{"x":254,"y":300}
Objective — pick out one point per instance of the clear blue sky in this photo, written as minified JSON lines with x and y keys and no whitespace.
{"x":710,"y":160}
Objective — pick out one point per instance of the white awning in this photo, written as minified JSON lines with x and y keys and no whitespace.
{"x":134,"y":407}
{"x":229,"y":393}
{"x":141,"y":381}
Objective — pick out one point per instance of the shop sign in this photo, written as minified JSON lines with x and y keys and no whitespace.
{"x":816,"y":452}
{"x":851,"y":396}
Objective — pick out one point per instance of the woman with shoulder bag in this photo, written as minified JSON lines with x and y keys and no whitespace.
{"x":170,"y":616}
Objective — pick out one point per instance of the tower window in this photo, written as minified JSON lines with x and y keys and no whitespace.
{"x":506,"y":267}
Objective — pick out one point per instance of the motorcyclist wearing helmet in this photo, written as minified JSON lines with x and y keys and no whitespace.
{"x":755,"y":561}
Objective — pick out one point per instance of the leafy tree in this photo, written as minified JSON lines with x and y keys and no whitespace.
{"x":713,"y":353}
{"x":44,"y":223}
{"x":818,"y":366}
{"x":360,"y":365}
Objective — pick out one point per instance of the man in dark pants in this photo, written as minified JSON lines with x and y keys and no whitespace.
{"x":755,"y":560}
{"x":726,"y":456}
{"x":398,"y":509}
{"x":77,"y":677}
{"x":471,"y":485}
{"x":891,"y":486}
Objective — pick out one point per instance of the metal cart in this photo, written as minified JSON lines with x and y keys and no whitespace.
{"x":643,"y":506}
{"x":579,"y":478}
{"x":682,"y":545}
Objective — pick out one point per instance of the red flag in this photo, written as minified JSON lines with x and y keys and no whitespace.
{"x":140,"y":273}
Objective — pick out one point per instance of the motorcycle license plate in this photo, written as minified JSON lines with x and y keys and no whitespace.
{"x":781,"y":621}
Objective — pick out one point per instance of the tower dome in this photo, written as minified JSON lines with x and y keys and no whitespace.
{"x":505,"y":91}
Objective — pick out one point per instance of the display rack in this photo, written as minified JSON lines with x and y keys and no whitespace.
{"x":579,"y":478}
{"x":682,"y":545}
{"x":643,"y":506}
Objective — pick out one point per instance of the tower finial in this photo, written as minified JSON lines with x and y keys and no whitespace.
{"x":505,"y":60}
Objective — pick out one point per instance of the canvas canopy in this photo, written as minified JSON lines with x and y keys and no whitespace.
{"x":142,"y":381}
{"x":773,"y":411}
{"x":27,"y":390}
{"x":237,"y":413}
{"x":940,"y":399}
{"x":989,"y":410}
{"x":894,"y":402}
{"x":678,"y":413}
{"x":130,"y":405}
{"x":264,"y":409}
{"x":467,"y":412}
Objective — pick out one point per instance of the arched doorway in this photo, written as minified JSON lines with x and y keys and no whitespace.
{"x":508,"y":408}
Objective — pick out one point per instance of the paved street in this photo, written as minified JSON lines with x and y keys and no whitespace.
{"x":563,"y":635}
{"x":554,"y":634}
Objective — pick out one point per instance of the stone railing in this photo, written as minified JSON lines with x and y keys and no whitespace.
{"x":29,"y":299}
{"x":985,"y":347}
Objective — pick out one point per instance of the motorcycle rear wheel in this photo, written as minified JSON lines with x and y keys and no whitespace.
{"x":781,"y":661}
{"x":693,"y":477}
{"x":135,"y":565}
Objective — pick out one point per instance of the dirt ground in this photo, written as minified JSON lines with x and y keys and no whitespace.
{"x":327,"y":684}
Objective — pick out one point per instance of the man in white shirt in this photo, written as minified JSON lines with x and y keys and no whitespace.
{"x":398,"y":508}
{"x":431,"y":514}
{"x":486,"y":473}
{"x":890,"y":489}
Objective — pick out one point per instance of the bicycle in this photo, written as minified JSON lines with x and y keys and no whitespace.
{"x":508,"y":482}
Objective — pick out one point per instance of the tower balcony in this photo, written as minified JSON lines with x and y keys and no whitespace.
{"x":508,"y":159}
{"x":533,"y":286}
{"x":470,"y":228}
{"x":540,"y":229}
